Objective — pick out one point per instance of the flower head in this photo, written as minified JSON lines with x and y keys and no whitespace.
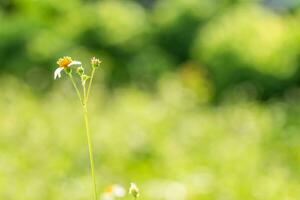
{"x":113,"y":191}
{"x":64,"y":63}
{"x":95,"y":62}
{"x":134,"y":190}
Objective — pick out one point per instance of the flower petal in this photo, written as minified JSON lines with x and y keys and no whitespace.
{"x":119,"y":191}
{"x":57,"y":72}
{"x":107,"y":196}
{"x":74,"y":62}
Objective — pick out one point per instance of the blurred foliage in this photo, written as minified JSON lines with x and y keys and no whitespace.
{"x":251,"y":44}
{"x":172,"y":147}
{"x":152,"y":117}
{"x":237,"y":42}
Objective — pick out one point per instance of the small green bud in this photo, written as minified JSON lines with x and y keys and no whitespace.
{"x":134,"y":190}
{"x":95,"y":62}
{"x":80,"y":70}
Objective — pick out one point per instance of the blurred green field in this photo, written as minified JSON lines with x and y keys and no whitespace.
{"x":172,"y":145}
{"x":195,"y":100}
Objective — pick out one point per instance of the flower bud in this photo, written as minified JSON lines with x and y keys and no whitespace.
{"x":134,"y":190}
{"x":80,"y":70}
{"x":95,"y":62}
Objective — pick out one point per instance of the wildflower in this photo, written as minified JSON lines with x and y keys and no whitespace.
{"x":64,"y":63}
{"x":134,"y":190}
{"x":95,"y":62}
{"x":112,"y":192}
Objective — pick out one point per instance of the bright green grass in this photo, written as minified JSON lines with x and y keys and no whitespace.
{"x":173,"y":148}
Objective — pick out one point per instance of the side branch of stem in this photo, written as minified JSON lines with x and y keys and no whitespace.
{"x":76,"y":89}
{"x":90,"y":84}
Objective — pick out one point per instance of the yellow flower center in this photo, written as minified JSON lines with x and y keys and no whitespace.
{"x":110,"y":189}
{"x":64,"y":62}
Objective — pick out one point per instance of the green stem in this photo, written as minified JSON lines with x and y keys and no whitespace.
{"x":86,"y":120}
{"x":90,"y":83}
{"x":90,"y":146}
{"x":84,"y":93}
{"x":89,"y":140}
{"x":76,"y":88}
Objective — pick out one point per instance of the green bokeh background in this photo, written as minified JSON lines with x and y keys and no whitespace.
{"x":195,"y":99}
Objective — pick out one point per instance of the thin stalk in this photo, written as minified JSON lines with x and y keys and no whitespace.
{"x":84,"y":92}
{"x":90,"y":146}
{"x":89,"y":140}
{"x":90,"y":84}
{"x":76,"y":88}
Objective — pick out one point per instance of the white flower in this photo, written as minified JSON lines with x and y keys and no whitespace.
{"x":64,"y":63}
{"x":113,"y":191}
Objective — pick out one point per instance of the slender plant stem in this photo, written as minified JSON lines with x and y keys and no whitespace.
{"x":89,"y":139}
{"x":84,"y":93}
{"x":76,"y":88}
{"x":83,"y":102}
{"x":90,"y":146}
{"x":90,"y":84}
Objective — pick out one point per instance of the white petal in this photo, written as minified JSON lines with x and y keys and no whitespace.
{"x":57,"y":72}
{"x":107,"y":196}
{"x":74,"y":62}
{"x":118,"y":191}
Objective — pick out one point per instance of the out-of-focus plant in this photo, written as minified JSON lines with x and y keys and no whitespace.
{"x":252,"y":46}
{"x":112,"y":192}
{"x":249,"y":36}
{"x":125,"y":27}
{"x":134,"y":190}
